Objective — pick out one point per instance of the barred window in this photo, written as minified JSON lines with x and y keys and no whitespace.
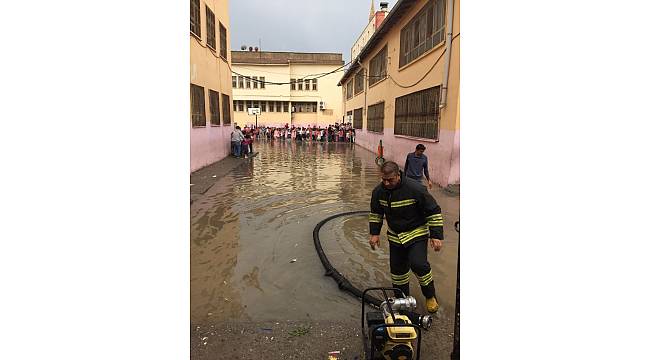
{"x":263,"y":106}
{"x":423,"y":32}
{"x":271,"y":106}
{"x":307,"y":84}
{"x":195,"y":17}
{"x":358,"y":81}
{"x":241,"y":82}
{"x":234,"y":82}
{"x":285,"y":106}
{"x":262,"y":82}
{"x":357,"y":118}
{"x":417,"y":114}
{"x":209,"y":20}
{"x":348,"y":89}
{"x":293,"y":84}
{"x":197,"y":99}
{"x":254,"y":82}
{"x":378,"y":67}
{"x":223,"y":41}
{"x":314,"y":84}
{"x":248,"y":82}
{"x":376,"y":117}
{"x":299,"y":84}
{"x":240,"y":105}
{"x":226,"y":108}
{"x":214,"y":107}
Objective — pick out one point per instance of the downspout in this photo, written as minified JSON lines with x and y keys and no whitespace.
{"x":445,"y":77}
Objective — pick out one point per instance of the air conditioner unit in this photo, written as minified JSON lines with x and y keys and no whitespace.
{"x":322,"y":105}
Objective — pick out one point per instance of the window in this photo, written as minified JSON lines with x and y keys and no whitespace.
{"x":263,"y":106}
{"x":357,"y":118}
{"x":417,"y":114}
{"x":314,"y":83}
{"x":271,"y":106}
{"x":262,"y":82}
{"x":214,"y":107}
{"x":240,"y":105}
{"x":358,"y":82}
{"x":299,"y":84}
{"x":223,"y":42}
{"x":302,"y":106}
{"x":195,"y":17}
{"x":423,"y":32}
{"x":226,"y":109}
{"x":285,"y":106}
{"x":197,"y":99}
{"x":307,"y":83}
{"x":375,"y":115}
{"x":241,"y":82}
{"x":293,"y":84}
{"x":378,"y":67}
{"x":348,"y":89}
{"x":234,"y":82}
{"x":254,"y":82}
{"x":248,"y":82}
{"x":209,"y":15}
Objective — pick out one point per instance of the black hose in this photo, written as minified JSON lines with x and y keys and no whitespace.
{"x":330,"y":271}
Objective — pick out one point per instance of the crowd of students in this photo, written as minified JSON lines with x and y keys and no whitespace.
{"x":242,"y":139}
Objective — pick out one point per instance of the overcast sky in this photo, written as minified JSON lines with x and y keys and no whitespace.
{"x":299,"y":25}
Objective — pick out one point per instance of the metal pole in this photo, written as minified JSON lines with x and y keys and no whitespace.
{"x":256,"y":120}
{"x":455,"y":354}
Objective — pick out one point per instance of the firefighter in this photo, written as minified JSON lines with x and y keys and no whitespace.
{"x":413,"y":216}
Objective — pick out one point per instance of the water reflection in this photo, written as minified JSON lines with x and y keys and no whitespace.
{"x":248,"y":227}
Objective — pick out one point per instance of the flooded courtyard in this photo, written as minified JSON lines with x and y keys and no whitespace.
{"x":252,"y":251}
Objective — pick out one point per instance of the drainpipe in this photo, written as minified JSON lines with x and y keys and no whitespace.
{"x":445,"y":78}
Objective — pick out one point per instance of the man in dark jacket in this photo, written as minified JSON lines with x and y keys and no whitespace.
{"x":413,"y":216}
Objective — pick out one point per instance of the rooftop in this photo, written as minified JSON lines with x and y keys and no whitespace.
{"x":280,"y":57}
{"x":393,"y":17}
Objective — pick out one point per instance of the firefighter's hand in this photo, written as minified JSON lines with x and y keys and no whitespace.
{"x":374,"y":241}
{"x":436,"y":244}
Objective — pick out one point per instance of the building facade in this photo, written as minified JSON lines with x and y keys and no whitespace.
{"x":211,"y":118}
{"x":404,"y":89}
{"x":288,"y":87}
{"x":374,"y":20}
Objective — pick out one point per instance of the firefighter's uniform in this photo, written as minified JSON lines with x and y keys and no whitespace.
{"x":413,"y":216}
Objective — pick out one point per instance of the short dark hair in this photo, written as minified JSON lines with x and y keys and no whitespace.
{"x":420,"y":147}
{"x":390,"y":167}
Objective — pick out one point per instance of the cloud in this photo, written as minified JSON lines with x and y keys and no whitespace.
{"x":295,"y":25}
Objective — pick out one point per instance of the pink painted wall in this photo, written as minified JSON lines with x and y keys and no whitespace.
{"x":444,"y":156}
{"x":208,"y":145}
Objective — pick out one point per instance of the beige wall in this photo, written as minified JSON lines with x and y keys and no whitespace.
{"x":444,"y":153}
{"x":327,"y":91}
{"x":207,"y":69}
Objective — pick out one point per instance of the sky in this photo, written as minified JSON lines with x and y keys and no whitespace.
{"x":299,"y":25}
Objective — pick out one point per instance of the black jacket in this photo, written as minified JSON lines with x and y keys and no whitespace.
{"x":410,"y":211}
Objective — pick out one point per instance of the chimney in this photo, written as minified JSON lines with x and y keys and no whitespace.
{"x":381,"y":14}
{"x":383,"y":6}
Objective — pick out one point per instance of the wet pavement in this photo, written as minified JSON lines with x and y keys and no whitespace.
{"x":252,"y":252}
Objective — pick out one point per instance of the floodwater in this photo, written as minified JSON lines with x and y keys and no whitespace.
{"x":252,"y":250}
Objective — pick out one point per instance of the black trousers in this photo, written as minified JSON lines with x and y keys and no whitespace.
{"x":411,"y":257}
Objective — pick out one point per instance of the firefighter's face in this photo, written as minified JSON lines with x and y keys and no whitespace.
{"x":390,"y":181}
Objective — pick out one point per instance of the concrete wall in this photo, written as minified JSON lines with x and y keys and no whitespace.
{"x":210,"y":143}
{"x":444,"y":154}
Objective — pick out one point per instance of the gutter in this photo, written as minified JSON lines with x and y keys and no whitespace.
{"x":445,"y":78}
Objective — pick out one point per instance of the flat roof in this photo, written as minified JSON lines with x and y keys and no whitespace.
{"x":285,"y":57}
